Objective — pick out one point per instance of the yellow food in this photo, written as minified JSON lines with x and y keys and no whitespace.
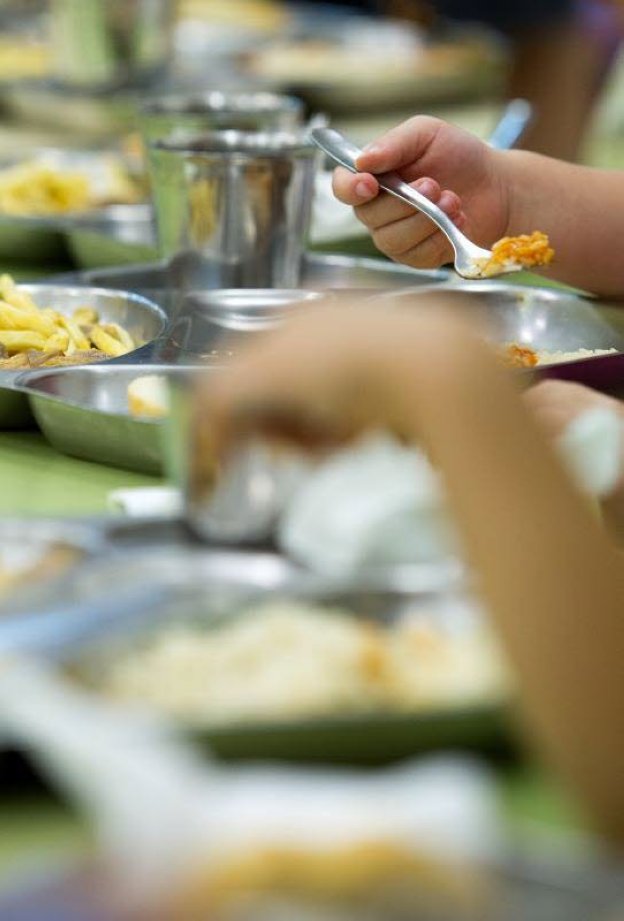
{"x":21,"y":58}
{"x":365,"y":878}
{"x":32,"y":188}
{"x":147,"y":396}
{"x":31,"y":336}
{"x":527,"y":251}
{"x":39,"y":188}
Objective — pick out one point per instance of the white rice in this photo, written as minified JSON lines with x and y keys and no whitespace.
{"x":545,"y":357}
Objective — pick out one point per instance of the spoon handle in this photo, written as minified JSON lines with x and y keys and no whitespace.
{"x":392,"y":182}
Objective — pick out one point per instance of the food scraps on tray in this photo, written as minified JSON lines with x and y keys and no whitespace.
{"x":34,"y":337}
{"x":148,"y":396}
{"x":21,"y":565}
{"x":523,"y":356}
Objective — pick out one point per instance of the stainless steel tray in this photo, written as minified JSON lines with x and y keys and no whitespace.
{"x":83,"y":412}
{"x":140,"y":316}
{"x":127,"y":581}
{"x":158,"y":281}
{"x":551,"y":319}
{"x":24,"y":544}
{"x":205,"y":588}
{"x":39,"y":238}
{"x":532,"y":887}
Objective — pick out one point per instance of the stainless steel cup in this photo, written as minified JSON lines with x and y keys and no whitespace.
{"x":110,"y":44}
{"x":219,"y":111}
{"x":233,"y":208}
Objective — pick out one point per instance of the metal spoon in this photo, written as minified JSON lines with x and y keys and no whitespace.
{"x":470,"y":259}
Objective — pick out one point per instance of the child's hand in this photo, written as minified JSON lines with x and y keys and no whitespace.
{"x":454,"y":169}
{"x":555,"y":404}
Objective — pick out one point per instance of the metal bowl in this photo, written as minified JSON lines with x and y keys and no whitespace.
{"x":117,"y":235}
{"x":144,"y":320}
{"x":84,"y":412}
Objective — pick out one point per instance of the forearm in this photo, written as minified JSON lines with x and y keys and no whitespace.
{"x":551,"y":578}
{"x":581,"y":209}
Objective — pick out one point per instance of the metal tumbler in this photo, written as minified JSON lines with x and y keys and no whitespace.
{"x":233,"y":208}
{"x":218,"y":111}
{"x":110,"y":44}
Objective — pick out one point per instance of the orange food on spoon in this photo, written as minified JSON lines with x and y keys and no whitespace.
{"x":527,"y":250}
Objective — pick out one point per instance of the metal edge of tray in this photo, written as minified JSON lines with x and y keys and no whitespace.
{"x":319,"y":272}
{"x":14,"y":409}
{"x":570,"y":320}
{"x":87,"y":538}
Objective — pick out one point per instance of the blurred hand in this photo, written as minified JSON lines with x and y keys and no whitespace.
{"x":331,"y":373}
{"x":555,"y":404}
{"x":452,"y":168}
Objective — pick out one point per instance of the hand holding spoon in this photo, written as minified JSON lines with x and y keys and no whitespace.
{"x":471,"y":261}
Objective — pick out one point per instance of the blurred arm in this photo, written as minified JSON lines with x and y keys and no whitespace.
{"x":553,"y":581}
{"x":550,"y":575}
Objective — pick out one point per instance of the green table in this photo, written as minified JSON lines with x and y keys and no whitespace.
{"x":36,"y":480}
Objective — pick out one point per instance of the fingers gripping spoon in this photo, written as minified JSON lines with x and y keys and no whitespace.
{"x":470,"y":259}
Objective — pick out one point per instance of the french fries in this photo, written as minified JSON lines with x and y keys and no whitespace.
{"x":31,"y":336}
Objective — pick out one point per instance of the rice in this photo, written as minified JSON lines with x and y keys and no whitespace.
{"x":288,"y":659}
{"x":545,"y":357}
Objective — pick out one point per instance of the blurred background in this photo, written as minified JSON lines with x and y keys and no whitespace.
{"x":368,"y":64}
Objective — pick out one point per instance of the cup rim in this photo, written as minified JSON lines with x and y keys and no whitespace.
{"x":246,"y":144}
{"x":222,"y":101}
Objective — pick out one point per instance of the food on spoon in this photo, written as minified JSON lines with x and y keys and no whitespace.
{"x":528,"y":251}
{"x":44,"y":188}
{"x":31,"y":336}
{"x":288,"y":659}
{"x":148,"y":396}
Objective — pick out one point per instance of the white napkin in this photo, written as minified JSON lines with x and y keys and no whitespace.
{"x":379,"y":503}
{"x":146,"y":501}
{"x":591,"y":447}
{"x":373,"y":503}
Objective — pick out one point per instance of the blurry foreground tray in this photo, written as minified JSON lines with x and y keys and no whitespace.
{"x":532,"y":890}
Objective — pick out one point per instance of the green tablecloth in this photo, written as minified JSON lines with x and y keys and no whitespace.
{"x":37,"y":480}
